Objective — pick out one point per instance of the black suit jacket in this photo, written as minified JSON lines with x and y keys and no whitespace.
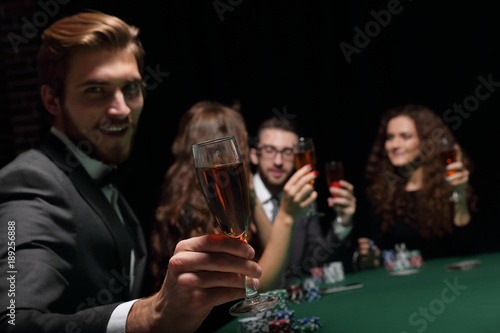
{"x":72,"y":253}
{"x":312,"y":245}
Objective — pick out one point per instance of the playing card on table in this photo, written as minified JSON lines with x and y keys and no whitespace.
{"x":463,"y":265}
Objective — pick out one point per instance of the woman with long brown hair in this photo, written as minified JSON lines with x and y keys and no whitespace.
{"x":410,"y":188}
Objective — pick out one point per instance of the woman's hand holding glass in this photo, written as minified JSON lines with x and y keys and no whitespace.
{"x":305,"y":154}
{"x":456,"y":173}
{"x":343,"y":201}
{"x":457,"y":176}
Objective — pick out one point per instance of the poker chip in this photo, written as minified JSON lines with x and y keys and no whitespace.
{"x":311,"y":290}
{"x":295,"y":295}
{"x":389,"y":258}
{"x":416,"y":258}
{"x":309,"y":324}
{"x":401,"y":259}
{"x":333,"y":272}
{"x":317,"y":272}
{"x":329,"y":274}
{"x":288,"y":314}
{"x":283,"y":302}
{"x":254,"y":324}
{"x":309,"y":282}
{"x":339,"y":270}
{"x":283,"y":320}
{"x":280,"y":326}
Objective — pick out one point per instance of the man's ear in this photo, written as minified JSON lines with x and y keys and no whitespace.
{"x":50,"y":100}
{"x":254,"y":158}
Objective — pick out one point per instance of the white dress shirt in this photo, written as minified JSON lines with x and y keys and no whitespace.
{"x":264,"y":196}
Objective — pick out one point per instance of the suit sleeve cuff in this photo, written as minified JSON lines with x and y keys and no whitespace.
{"x":118,"y":320}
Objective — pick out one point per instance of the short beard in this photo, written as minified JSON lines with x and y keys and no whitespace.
{"x":89,"y":142}
{"x":273,"y":188}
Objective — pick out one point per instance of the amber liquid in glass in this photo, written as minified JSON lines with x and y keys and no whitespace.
{"x":333,"y":176}
{"x":225,"y":188}
{"x":303,"y":158}
{"x":449,"y":156}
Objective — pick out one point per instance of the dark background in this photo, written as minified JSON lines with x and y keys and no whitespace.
{"x":282,"y":58}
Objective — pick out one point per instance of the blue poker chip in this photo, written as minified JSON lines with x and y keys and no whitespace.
{"x":308,"y":320}
{"x":289,"y":314}
{"x":309,"y":324}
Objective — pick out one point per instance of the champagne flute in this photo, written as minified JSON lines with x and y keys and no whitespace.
{"x":449,"y":155}
{"x":306,"y":154}
{"x":334,"y":171}
{"x":224,"y":184}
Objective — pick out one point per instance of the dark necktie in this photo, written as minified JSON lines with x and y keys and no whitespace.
{"x":276,"y":206}
{"x":113,"y":177}
{"x":130,"y":222}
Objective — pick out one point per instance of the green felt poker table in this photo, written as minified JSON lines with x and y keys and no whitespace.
{"x":432,"y":300}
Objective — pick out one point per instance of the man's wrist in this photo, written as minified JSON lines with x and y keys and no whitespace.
{"x":142,"y":316}
{"x":118,"y":319}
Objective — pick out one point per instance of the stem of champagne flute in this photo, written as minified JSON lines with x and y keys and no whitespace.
{"x":250,"y":293}
{"x":338,"y":218}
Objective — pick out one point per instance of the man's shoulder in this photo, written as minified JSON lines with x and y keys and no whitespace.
{"x":32,"y":158}
{"x":32,"y":162}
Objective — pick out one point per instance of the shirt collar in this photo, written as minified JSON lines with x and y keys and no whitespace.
{"x":261,"y":190}
{"x":95,"y":168}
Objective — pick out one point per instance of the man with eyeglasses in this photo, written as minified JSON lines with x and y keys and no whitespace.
{"x":311,"y":246}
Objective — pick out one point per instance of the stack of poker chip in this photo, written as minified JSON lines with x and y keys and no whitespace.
{"x":317,"y":273}
{"x":333,"y":272}
{"x":278,"y":321}
{"x":401,"y":260}
{"x":282,"y":321}
{"x":295,"y":295}
{"x":416,"y":259}
{"x":280,"y":326}
{"x":389,"y":258}
{"x":311,"y":289}
{"x":254,"y":324}
{"x":283,"y":302}
{"x":288,"y":314}
{"x":309,"y":324}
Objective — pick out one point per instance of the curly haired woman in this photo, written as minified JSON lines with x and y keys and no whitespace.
{"x":410,"y":191}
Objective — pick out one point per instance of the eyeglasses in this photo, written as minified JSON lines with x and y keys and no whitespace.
{"x":271,"y":151}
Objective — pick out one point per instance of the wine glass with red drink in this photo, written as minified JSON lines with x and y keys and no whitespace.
{"x":305,"y":153}
{"x":449,"y":155}
{"x":334,"y":171}
{"x":224,"y":184}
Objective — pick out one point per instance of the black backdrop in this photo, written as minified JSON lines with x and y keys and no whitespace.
{"x":286,"y":58}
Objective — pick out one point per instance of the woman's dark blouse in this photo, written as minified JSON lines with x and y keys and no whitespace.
{"x":458,"y":243}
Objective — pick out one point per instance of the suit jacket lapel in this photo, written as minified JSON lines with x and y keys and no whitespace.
{"x":90,"y":191}
{"x":140,"y":246}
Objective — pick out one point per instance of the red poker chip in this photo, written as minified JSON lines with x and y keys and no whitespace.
{"x":282,"y":326}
